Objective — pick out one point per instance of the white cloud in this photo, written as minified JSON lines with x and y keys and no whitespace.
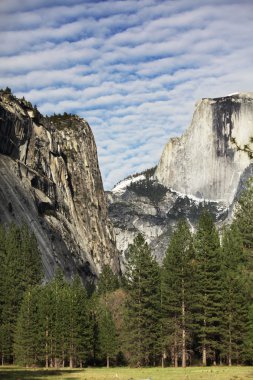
{"x":133,"y":68}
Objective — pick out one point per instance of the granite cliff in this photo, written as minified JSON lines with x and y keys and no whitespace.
{"x":50,"y":179}
{"x":204,"y":162}
{"x":205,"y":168}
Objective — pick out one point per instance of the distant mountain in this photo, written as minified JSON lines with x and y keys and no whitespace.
{"x":205,"y":168}
{"x":50,"y":179}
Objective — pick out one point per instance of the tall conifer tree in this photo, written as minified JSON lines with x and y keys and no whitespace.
{"x":45,"y":324}
{"x":248,"y":342}
{"x":2,"y":292}
{"x":26,"y":337}
{"x":12,"y":288}
{"x":177,"y":293}
{"x":235,"y":288}
{"x":208,"y":313}
{"x":107,"y":334}
{"x":244,"y":222}
{"x":143,"y":306}
{"x":79,"y":339}
{"x":64,"y":323}
{"x":31,"y":258}
{"x":20,"y":268}
{"x":244,"y":215}
{"x":59,"y":325}
{"x":108,"y":281}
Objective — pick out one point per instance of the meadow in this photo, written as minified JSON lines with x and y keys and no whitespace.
{"x":192,"y":373}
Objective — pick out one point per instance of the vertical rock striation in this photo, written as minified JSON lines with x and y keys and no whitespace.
{"x":51,"y":180}
{"x":205,"y":161}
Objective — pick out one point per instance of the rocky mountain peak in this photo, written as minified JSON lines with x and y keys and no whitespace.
{"x":206,"y":162}
{"x":51,"y":178}
{"x":206,"y":168}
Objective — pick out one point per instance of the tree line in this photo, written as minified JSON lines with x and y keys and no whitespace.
{"x":49,"y":324}
{"x":194,"y":309}
{"x":20,"y":268}
{"x":199,"y":310}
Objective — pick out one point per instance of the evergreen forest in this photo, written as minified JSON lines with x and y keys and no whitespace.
{"x":194,"y":309}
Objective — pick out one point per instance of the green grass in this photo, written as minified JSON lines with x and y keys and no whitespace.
{"x":193,"y":373}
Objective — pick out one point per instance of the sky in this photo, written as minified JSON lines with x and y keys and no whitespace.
{"x":133,"y":69}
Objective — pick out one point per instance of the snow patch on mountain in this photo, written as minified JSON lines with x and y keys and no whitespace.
{"x":120,"y":188}
{"x":194,"y":198}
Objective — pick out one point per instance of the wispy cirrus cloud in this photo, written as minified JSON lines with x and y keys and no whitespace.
{"x":132,"y":68}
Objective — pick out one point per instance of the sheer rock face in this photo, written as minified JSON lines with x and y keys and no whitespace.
{"x":50,"y":179}
{"x":205,"y":162}
{"x":202,"y":169}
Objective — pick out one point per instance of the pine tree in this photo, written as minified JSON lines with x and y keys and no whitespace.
{"x":243,"y":215}
{"x":79,"y":340}
{"x":59,"y":322}
{"x":108,"y":281}
{"x":26,"y":338}
{"x":143,"y":305}
{"x":235,"y":295}
{"x":244,"y":221}
{"x":64,"y":323}
{"x":177,"y":293}
{"x":115,"y":302}
{"x":2,"y":258}
{"x":107,"y":334}
{"x":94,"y":317}
{"x":45,"y":325}
{"x":53,"y":322}
{"x":31,"y":258}
{"x":208,"y":313}
{"x":12,"y":289}
{"x":20,"y":268}
{"x":248,"y":342}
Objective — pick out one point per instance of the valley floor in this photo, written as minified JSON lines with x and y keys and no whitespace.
{"x":191,"y":373}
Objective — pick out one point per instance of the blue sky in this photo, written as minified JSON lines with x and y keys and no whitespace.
{"x":133,"y":69}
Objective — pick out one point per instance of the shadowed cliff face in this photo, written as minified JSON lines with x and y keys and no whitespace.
{"x":201,"y":170}
{"x":50,"y":179}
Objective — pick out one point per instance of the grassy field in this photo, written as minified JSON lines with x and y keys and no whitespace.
{"x":193,"y":373}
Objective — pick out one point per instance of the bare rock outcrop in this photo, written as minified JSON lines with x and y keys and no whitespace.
{"x":50,"y":179}
{"x":205,"y":161}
